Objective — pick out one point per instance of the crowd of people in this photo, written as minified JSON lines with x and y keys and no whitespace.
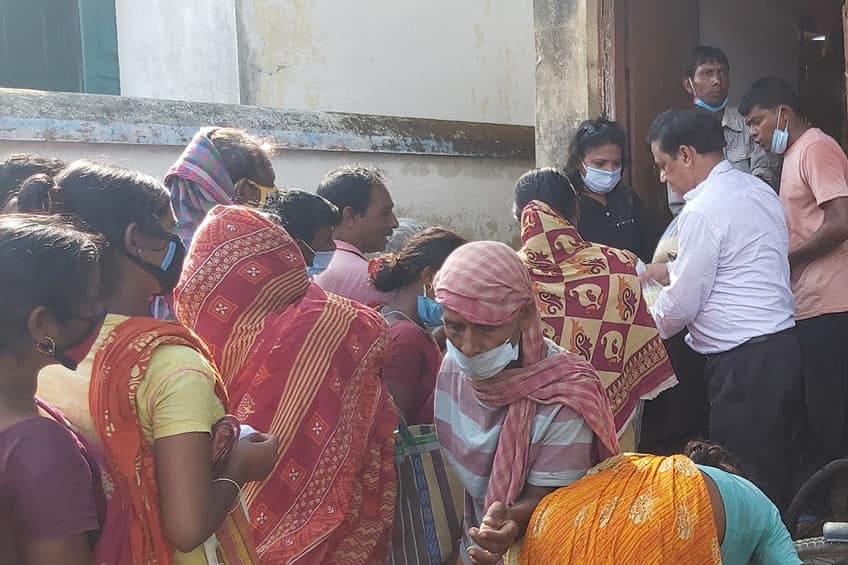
{"x":209,"y":370}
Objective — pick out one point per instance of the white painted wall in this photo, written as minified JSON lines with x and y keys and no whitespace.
{"x":472,"y":196}
{"x":178,"y":49}
{"x":467,"y":60}
{"x":470,"y":60}
{"x":760,"y":38}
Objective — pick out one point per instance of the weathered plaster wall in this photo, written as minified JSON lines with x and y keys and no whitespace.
{"x":471,"y":195}
{"x":760,"y":38}
{"x":447,"y":59}
{"x":455,"y":173}
{"x":568,"y":86}
{"x":182,"y":50}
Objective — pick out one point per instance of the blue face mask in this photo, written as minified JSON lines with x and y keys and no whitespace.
{"x":701,"y":103}
{"x":780,"y":137}
{"x":320,"y":261}
{"x":487,"y":364}
{"x":429,"y":312}
{"x":600,"y":181}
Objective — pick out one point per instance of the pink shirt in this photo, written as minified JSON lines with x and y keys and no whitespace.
{"x":347,"y":276}
{"x":815,"y":171}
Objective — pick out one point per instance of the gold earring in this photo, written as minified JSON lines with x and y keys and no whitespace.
{"x":48,"y":349}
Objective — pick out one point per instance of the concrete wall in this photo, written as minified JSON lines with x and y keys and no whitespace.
{"x":470,"y":60}
{"x":455,"y":173}
{"x":470,"y":195}
{"x":446,"y":59}
{"x":568,"y":82}
{"x":181,"y":50}
{"x":760,"y":38}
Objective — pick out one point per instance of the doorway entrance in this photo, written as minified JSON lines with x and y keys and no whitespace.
{"x":646,"y":44}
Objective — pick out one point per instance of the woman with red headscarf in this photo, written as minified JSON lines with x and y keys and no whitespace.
{"x":517,"y":415}
{"x":302,"y":364}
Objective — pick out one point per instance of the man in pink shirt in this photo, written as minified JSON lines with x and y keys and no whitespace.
{"x":367,"y":222}
{"x":814,"y":191}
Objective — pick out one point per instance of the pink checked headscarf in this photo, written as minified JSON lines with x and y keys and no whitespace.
{"x":487,"y":284}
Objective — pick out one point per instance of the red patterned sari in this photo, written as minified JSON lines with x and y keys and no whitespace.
{"x":591,"y":303}
{"x":301,"y":364}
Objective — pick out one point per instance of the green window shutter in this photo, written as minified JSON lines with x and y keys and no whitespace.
{"x":99,"y":47}
{"x":40,"y":45}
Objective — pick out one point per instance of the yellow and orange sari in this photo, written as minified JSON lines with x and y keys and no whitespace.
{"x":129,"y":479}
{"x":303,"y":365}
{"x":629,"y":509}
{"x":591,"y":304}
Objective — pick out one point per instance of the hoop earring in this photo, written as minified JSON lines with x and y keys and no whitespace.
{"x":49,"y":349}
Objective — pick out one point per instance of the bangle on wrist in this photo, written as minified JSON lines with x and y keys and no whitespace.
{"x":238,"y":491}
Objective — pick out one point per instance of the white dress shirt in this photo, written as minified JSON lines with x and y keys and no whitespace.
{"x":730,"y":282}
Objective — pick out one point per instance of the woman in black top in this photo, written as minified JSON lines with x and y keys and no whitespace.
{"x":610,"y":212}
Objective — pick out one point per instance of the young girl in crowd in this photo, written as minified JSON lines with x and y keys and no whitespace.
{"x":407,"y":277}
{"x":49,"y":492}
{"x":149,"y":393}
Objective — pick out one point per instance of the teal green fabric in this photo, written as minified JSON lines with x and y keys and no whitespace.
{"x":754,"y":533}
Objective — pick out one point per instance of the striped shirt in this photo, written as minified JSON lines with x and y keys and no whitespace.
{"x":561,"y":449}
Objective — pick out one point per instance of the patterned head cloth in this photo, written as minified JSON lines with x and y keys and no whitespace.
{"x":303,"y":365}
{"x":487,"y":284}
{"x":198,"y":182}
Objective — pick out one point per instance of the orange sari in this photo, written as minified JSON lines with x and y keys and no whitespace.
{"x":130,"y":486}
{"x":629,"y":509}
{"x":303,"y":365}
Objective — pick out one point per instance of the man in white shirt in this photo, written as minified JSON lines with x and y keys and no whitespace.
{"x":730,"y":287}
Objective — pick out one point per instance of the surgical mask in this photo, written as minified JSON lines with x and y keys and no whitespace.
{"x":600,"y":181}
{"x":320,"y":260}
{"x":780,"y":137}
{"x":429,"y":312}
{"x":169,"y":270}
{"x":487,"y":364}
{"x":701,"y":103}
{"x":71,"y":356}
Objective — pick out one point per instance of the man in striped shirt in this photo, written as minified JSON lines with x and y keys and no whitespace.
{"x":707,"y":80}
{"x":516,"y":415}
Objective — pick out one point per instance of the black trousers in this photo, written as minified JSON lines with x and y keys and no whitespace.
{"x":824,"y":352}
{"x":756,"y":409}
{"x":680,"y":413}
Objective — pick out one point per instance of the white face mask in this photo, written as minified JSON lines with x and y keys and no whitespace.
{"x":600,"y":181}
{"x":780,"y":137}
{"x":487,"y":364}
